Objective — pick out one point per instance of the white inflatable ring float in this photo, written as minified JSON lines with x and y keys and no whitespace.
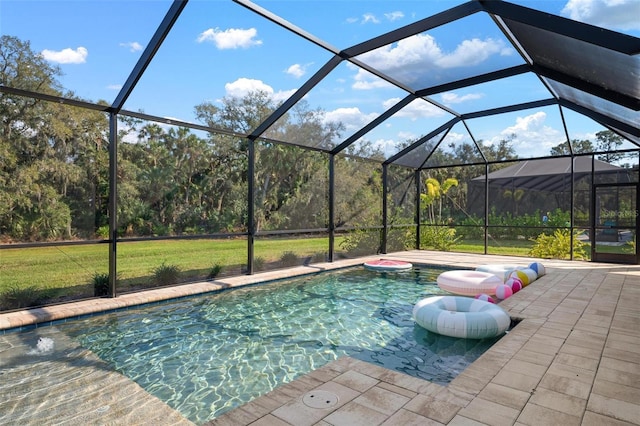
{"x":501,"y":271}
{"x":469,"y":283}
{"x":463,"y":317}
{"x":387,"y":265}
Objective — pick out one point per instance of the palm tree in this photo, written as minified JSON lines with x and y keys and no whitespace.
{"x":435,"y":191}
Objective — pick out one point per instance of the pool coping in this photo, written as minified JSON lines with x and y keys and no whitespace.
{"x":572,"y":358}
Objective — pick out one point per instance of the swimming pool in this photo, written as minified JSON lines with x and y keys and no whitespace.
{"x":208,"y":354}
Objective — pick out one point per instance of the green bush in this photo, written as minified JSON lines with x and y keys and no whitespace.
{"x":100,"y":284}
{"x":289,"y":258}
{"x":16,"y":297}
{"x":258,"y":263}
{"x":558,"y":246}
{"x":361,"y":242}
{"x":166,"y":274}
{"x":319,"y":257}
{"x":441,"y":238}
{"x":470,"y":228}
{"x":215,"y":271}
{"x":103,"y":232}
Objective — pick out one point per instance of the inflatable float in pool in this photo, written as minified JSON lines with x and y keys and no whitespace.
{"x":501,"y":271}
{"x":386,"y":265}
{"x":469,"y":283}
{"x":457,"y":316}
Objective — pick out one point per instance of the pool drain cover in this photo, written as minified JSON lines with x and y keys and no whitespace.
{"x":320,"y":399}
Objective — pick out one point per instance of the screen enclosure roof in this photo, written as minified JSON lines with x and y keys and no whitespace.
{"x":410,"y":83}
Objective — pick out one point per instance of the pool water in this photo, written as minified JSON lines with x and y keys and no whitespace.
{"x":208,"y":354}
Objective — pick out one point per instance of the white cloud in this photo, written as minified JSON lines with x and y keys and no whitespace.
{"x":420,"y":54}
{"x":283,"y":95}
{"x":387,"y":146}
{"x":296,"y":70}
{"x":394,"y":16}
{"x":612,"y":14}
{"x":416,"y":110}
{"x":532,"y":135}
{"x":407,"y":136}
{"x":364,"y":80}
{"x":450,"y":98}
{"x":456,"y":138}
{"x":470,"y":53}
{"x":66,"y":56}
{"x":133,"y":46}
{"x":370,"y":17}
{"x":352,"y":118}
{"x":232,"y":38}
{"x":243,"y":86}
{"x":114,"y":87}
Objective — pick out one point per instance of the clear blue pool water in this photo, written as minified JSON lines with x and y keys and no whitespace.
{"x":208,"y":354}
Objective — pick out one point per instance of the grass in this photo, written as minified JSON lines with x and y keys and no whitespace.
{"x":502,"y":247}
{"x":76,"y":266}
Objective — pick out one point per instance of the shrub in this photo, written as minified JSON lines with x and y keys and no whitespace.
{"x":471,"y":228}
{"x":166,"y":274}
{"x":630,"y":246}
{"x":361,"y":241}
{"x":16,"y":297}
{"x":103,"y":232}
{"x":289,"y":258}
{"x":558,"y":246}
{"x":100,"y":284}
{"x":215,"y":271}
{"x":319,"y":257}
{"x":258,"y":263}
{"x":440,"y":238}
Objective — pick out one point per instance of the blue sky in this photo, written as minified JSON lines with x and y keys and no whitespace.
{"x":219,"y":48}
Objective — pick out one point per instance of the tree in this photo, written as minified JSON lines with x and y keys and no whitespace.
{"x":289,"y":181}
{"x":608,"y":143}
{"x":435,"y":192}
{"x":52,"y":154}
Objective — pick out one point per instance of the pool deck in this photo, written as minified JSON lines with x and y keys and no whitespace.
{"x":574,"y":359}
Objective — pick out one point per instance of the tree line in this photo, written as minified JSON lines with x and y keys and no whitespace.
{"x":54,"y":181}
{"x":54,"y":175}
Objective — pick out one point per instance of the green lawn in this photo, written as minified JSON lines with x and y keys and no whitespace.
{"x":73,"y":266}
{"x":502,"y":247}
{"x":63,"y":271}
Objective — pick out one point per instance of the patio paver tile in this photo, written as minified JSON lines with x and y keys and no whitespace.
{"x":627,"y":378}
{"x":534,"y":357}
{"x":356,"y":381}
{"x":568,"y":349}
{"x":382,"y":400}
{"x":536,"y":415}
{"x":464,"y":421}
{"x":516,"y":380}
{"x":270,"y":420}
{"x":617,"y":391}
{"x":565,"y":385}
{"x":503,"y":395}
{"x":396,"y":389}
{"x":524,"y":367}
{"x":577,"y":360}
{"x":489,"y":412}
{"x":557,"y":401}
{"x":354,"y":414}
{"x":595,"y":419}
{"x":409,"y":418}
{"x":621,"y":410}
{"x":427,"y":406}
